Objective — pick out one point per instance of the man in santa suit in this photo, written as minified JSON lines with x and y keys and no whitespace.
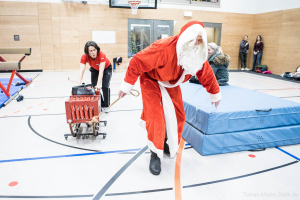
{"x":162,"y":67}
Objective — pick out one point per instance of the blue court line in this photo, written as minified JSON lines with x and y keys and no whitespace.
{"x":288,"y":153}
{"x":65,"y":156}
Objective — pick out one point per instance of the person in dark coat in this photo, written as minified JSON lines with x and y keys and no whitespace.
{"x":244,"y":47}
{"x":219,"y":63}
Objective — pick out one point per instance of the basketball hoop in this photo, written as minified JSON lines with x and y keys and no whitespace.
{"x":134,"y":6}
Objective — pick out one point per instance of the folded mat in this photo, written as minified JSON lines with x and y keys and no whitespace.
{"x":240,"y":141}
{"x":240,"y":109}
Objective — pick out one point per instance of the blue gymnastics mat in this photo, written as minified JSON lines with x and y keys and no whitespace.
{"x":240,"y":109}
{"x":240,"y":141}
{"x":13,"y":89}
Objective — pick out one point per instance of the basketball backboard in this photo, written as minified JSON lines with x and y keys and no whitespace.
{"x":145,"y":4}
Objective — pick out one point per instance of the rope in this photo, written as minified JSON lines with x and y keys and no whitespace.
{"x":95,"y":118}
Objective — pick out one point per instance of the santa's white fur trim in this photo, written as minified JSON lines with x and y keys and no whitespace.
{"x":190,"y":34}
{"x":159,"y":152}
{"x":126,"y":87}
{"x":215,"y":97}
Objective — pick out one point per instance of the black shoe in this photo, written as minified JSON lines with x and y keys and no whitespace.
{"x":166,"y":148}
{"x":20,"y":98}
{"x":154,"y":164}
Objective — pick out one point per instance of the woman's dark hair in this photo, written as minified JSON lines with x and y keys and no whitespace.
{"x":259,"y":37}
{"x":93,"y":44}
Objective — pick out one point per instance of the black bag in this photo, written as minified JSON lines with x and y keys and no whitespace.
{"x":83,"y":90}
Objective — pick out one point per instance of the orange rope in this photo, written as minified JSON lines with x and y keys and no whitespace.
{"x":177,"y":171}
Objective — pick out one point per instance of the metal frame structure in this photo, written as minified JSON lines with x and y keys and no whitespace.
{"x":13,"y":67}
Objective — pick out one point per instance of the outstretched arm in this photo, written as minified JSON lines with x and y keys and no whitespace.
{"x":207,"y":78}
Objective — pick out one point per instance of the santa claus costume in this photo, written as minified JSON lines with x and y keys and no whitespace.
{"x":162,"y":67}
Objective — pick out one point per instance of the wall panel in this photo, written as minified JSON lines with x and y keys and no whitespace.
{"x":57,"y":32}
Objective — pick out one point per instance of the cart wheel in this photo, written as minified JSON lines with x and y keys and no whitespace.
{"x":105,"y":123}
{"x":71,"y":129}
{"x":87,"y":137}
{"x":87,"y":124}
{"x":104,"y":135}
{"x":83,"y":137}
{"x":66,"y":137}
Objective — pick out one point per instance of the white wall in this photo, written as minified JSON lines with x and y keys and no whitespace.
{"x":231,"y":6}
{"x":263,"y":6}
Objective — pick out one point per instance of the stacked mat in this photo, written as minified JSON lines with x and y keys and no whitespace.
{"x":244,"y":120}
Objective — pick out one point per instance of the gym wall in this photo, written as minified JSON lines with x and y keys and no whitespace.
{"x":57,"y":32}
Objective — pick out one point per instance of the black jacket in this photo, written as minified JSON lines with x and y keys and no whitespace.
{"x":243,"y":47}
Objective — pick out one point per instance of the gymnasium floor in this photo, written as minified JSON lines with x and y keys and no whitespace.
{"x":41,"y":163}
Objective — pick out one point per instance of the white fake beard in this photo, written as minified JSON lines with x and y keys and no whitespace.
{"x":192,"y":57}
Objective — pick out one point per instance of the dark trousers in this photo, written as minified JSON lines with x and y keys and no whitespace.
{"x":107,"y":73}
{"x":256,"y":58}
{"x":243,"y":57}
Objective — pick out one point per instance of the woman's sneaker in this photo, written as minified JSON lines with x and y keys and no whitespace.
{"x":246,"y":69}
{"x":242,"y":69}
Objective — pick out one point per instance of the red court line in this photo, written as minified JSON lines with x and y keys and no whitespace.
{"x":177,"y":171}
{"x":41,"y":104}
{"x":4,"y":115}
{"x":29,"y":107}
{"x":51,"y":101}
{"x":17,"y":111}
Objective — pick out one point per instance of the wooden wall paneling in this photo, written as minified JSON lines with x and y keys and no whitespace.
{"x":85,"y":36}
{"x":48,"y":63}
{"x":68,"y":9}
{"x":103,"y":24}
{"x":290,"y":29}
{"x":69,"y":23}
{"x":68,"y":50}
{"x":47,"y":49}
{"x":65,"y":36}
{"x":74,"y":37}
{"x":57,"y":64}
{"x":46,"y":35}
{"x":44,"y":9}
{"x":56,"y":36}
{"x":18,"y":8}
{"x":70,"y":62}
{"x":202,"y":16}
{"x":55,"y":9}
{"x":291,"y":15}
{"x":55,"y":23}
{"x":19,"y":23}
{"x":122,"y":37}
{"x":271,"y":17}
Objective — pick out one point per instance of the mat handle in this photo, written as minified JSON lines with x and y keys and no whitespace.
{"x":264,"y":110}
{"x":254,"y":150}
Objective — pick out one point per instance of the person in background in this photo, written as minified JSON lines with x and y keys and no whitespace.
{"x":258,"y":48}
{"x":219,"y":62}
{"x":101,"y":70}
{"x":244,"y":47}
